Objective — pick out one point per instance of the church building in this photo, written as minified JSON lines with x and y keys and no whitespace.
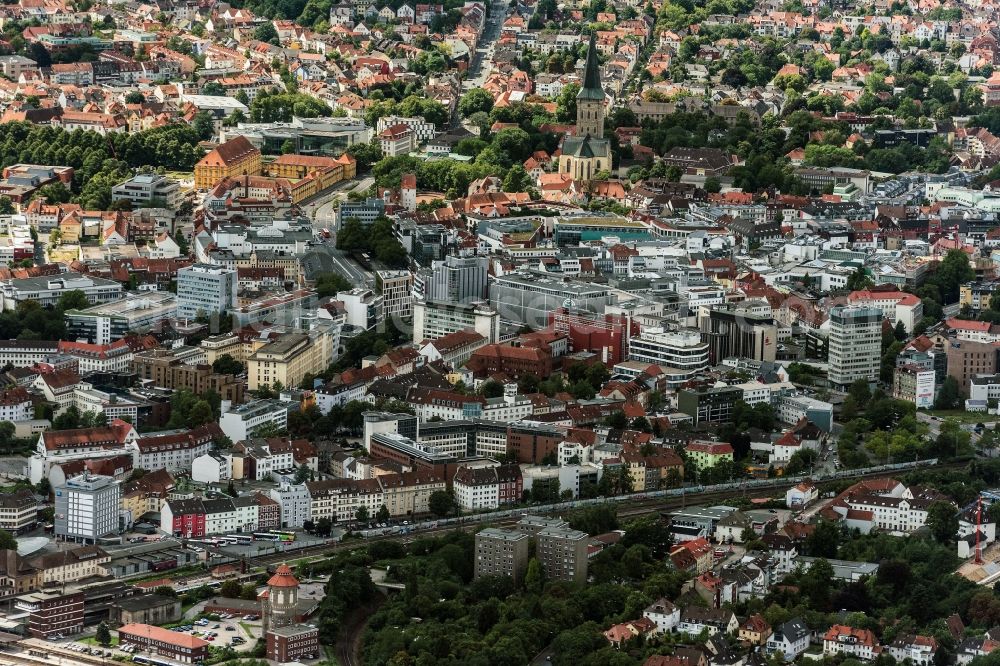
{"x":588,"y":152}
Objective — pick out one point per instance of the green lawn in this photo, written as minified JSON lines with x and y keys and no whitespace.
{"x":961,"y":415}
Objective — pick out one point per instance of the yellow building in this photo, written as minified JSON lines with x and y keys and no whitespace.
{"x":409,"y":493}
{"x":289,"y":358}
{"x":236,"y":157}
{"x":703,"y":454}
{"x":976,"y":295}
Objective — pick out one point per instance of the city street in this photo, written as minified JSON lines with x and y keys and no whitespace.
{"x":482,"y":62}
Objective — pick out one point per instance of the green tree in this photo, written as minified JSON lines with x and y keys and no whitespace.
{"x":474,"y":101}
{"x":441,"y":503}
{"x":204,"y":125}
{"x":227,"y":365}
{"x":103,"y":634}
{"x":361,"y":515}
{"x":266,"y":32}
{"x":949,"y":396}
{"x":942,"y":519}
{"x":324,"y":526}
{"x":230,"y":589}
{"x":534,"y":579}
{"x":382,"y":515}
{"x":73,"y":300}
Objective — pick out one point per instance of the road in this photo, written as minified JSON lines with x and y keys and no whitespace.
{"x":322,"y":212}
{"x":322,"y":209}
{"x":478,"y":73}
{"x":950,"y":310}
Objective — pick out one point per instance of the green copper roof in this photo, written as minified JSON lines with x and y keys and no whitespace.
{"x":592,"y":74}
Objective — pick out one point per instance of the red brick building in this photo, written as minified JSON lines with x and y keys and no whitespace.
{"x":515,"y":362}
{"x":268,"y":512}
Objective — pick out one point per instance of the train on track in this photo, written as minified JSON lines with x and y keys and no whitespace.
{"x":748,"y":484}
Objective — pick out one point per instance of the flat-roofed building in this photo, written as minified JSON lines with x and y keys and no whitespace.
{"x":292,"y":643}
{"x":501,"y":553}
{"x":52,"y":612}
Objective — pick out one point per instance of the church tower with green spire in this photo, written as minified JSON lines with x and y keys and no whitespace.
{"x":587,"y":153}
{"x":590,"y":99}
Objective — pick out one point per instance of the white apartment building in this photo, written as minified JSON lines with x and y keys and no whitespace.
{"x":244,"y":420}
{"x":295,"y":504}
{"x":16,"y":405}
{"x":174,"y":452}
{"x":364,"y":308}
{"x":422,"y":130}
{"x":203,"y":289}
{"x":433,"y":320}
{"x":858,"y":643}
{"x":211,"y":468}
{"x":87,"y":508}
{"x":896,"y":306}
{"x":682,"y":352}
{"x":855,"y":344}
{"x":663,"y":614}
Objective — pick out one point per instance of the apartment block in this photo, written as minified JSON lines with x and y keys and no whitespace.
{"x":563,"y":554}
{"x":501,"y":553}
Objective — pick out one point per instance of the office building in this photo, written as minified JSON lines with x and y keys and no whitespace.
{"x":396,"y":288}
{"x":458,"y":280}
{"x":709,"y":404}
{"x":855,"y":344}
{"x":366,"y":211}
{"x":175,"y":369}
{"x":148,"y":190}
{"x":87,"y":508}
{"x":147,"y":311}
{"x":245,"y":420}
{"x":364,"y":308}
{"x":501,"y":553}
{"x":18,"y":511}
{"x":52,"y":612}
{"x":174,"y":645}
{"x":740,"y":332}
{"x":967,"y":360}
{"x":563,"y":554}
{"x":682,"y":354}
{"x":434,"y":319}
{"x":289,"y":358}
{"x":47,"y":289}
{"x":204,"y":289}
{"x":292,"y":643}
{"x":528,"y":298}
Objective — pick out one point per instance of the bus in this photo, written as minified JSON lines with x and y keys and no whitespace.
{"x":152,"y":661}
{"x":285,"y":535}
{"x":272,"y":536}
{"x":239,"y":539}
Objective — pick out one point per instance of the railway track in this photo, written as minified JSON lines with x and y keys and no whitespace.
{"x":627,"y":508}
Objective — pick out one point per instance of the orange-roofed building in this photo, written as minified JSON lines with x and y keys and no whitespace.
{"x":236,"y":157}
{"x":174,"y":645}
{"x":704,"y":454}
{"x":282,"y":598}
